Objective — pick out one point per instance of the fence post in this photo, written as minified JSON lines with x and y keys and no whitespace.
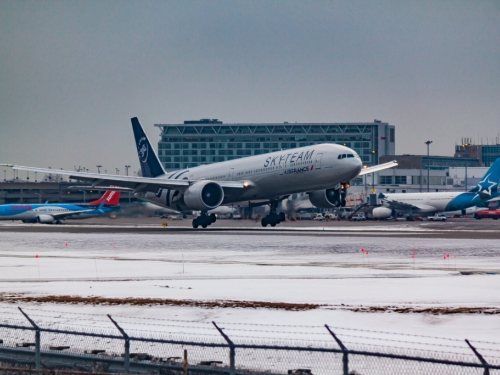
{"x":345,"y":355}
{"x":38,"y":363}
{"x":232,"y":350}
{"x":126,"y":358}
{"x":481,"y":359}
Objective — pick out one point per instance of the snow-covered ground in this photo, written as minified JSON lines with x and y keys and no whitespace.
{"x":306,"y":269}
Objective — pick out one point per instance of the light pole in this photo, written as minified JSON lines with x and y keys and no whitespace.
{"x":117,"y":171}
{"x":35,"y":177}
{"x":5,"y":175}
{"x":428,"y":143}
{"x":126,"y":169}
{"x":99,"y":168}
{"x":84,"y":192}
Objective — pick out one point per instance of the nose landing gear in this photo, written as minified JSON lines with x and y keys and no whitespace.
{"x":273,"y":218}
{"x":204,"y":220}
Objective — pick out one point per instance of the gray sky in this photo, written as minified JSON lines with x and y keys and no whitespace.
{"x":73,"y":73}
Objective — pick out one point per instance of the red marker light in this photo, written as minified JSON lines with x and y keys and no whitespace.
{"x":66,"y":244}
{"x":413,"y":256}
{"x":447,"y":255}
{"x":36,"y":256}
{"x":444,"y":257}
{"x":366,"y":252}
{"x":362,"y":250}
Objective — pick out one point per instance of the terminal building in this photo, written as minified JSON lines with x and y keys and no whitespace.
{"x":209,"y":141}
{"x":487,"y":154}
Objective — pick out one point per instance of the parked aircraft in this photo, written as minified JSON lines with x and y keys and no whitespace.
{"x":427,"y":203}
{"x":323,"y":171}
{"x":53,"y":213}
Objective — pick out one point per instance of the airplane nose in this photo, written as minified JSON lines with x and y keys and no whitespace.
{"x":357,"y":164}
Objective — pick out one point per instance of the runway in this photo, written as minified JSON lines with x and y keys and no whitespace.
{"x":453,"y":228}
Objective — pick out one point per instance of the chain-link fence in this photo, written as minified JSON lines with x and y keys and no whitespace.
{"x":26,"y":344}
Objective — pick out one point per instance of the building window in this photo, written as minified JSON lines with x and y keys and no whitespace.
{"x":385,"y":180}
{"x":400,"y":180}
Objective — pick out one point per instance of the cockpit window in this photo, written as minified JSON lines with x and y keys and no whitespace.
{"x":344,"y":156}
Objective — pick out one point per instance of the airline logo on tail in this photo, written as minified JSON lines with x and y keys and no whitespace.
{"x":110,"y":198}
{"x":142,"y":149}
{"x":485,"y":186}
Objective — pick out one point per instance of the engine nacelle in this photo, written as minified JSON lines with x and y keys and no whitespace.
{"x":203,"y":196}
{"x":327,"y":198}
{"x":45,"y":219}
{"x":381,"y":213}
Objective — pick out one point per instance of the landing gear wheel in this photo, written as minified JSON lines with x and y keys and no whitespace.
{"x":282,"y":216}
{"x":195,"y":223}
{"x":204,"y":226}
{"x":213,"y":217}
{"x":264,"y":222}
{"x":273,"y":224}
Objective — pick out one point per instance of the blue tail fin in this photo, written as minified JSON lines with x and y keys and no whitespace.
{"x":489,"y":183}
{"x":150,"y":165}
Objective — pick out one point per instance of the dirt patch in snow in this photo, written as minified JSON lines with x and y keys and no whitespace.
{"x":438,"y":310}
{"x":17,"y":298}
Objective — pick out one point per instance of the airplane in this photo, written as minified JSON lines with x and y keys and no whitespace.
{"x":427,"y":203}
{"x":53,"y":213}
{"x":322,"y":170}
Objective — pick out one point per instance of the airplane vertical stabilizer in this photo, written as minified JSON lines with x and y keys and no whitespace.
{"x":488,"y":185}
{"x":110,"y":198}
{"x":150,"y":165}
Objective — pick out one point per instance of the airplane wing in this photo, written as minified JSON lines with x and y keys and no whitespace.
{"x":379,"y":167}
{"x":403,"y":206}
{"x":135,"y":183}
{"x":62,"y":215}
{"x":87,"y":187}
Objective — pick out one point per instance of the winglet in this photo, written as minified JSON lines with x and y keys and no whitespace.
{"x":102,"y":204}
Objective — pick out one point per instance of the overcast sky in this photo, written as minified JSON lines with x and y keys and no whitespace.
{"x":73,"y":73}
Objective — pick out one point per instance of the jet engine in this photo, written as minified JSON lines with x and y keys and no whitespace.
{"x":45,"y":219}
{"x":327,"y":198}
{"x":203,"y":196}
{"x":381,"y":213}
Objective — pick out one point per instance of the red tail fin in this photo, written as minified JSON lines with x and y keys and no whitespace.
{"x":112,"y":198}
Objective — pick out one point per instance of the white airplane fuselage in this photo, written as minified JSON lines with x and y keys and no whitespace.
{"x":430,"y":202}
{"x":270,"y":176}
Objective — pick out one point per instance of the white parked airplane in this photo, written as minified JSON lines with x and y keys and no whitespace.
{"x":323,"y":171}
{"x":426,"y":203}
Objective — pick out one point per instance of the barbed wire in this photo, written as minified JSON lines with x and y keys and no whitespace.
{"x":226,"y":324}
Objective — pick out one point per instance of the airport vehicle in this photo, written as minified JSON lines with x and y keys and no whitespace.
{"x":330,"y":216}
{"x":53,"y":213}
{"x":322,"y":170}
{"x":487,"y":214}
{"x":358,"y":217}
{"x":429,"y":203}
{"x":437,"y":217}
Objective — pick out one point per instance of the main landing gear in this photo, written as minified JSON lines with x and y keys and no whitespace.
{"x":204,"y":220}
{"x":273,"y":218}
